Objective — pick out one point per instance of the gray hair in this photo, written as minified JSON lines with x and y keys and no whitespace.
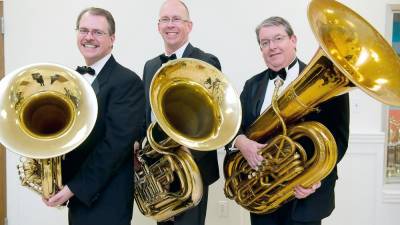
{"x":184,"y":6}
{"x":98,"y":12}
{"x":274,"y":21}
{"x":187,"y":9}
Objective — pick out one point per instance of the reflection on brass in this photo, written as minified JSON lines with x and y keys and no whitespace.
{"x":30,"y":173}
{"x":57,"y":77}
{"x":38,"y":78}
{"x":196,"y":108}
{"x":42,"y":119}
{"x":352,"y":54}
{"x":46,"y":114}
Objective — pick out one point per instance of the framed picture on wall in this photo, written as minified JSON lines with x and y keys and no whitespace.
{"x":393,"y":128}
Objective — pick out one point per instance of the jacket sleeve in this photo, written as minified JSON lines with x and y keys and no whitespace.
{"x":123,"y":125}
{"x":335,"y":116}
{"x":244,"y":101}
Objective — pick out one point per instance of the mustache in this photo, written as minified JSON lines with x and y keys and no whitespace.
{"x":89,"y":43}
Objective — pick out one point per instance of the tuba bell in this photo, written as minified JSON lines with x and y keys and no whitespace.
{"x":351,"y":54}
{"x":197,"y":108}
{"x":46,"y":111}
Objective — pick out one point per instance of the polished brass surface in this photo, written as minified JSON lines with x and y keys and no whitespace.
{"x":352,"y":54}
{"x":198,"y":109}
{"x":356,"y":49}
{"x":194,"y":104}
{"x":47,"y":110}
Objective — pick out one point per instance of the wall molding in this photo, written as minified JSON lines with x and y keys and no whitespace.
{"x":367,"y":138}
{"x":390,"y":195}
{"x":366,"y":143}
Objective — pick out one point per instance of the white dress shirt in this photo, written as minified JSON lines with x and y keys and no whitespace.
{"x":291,"y":75}
{"x":178,"y":54}
{"x":97,"y":66}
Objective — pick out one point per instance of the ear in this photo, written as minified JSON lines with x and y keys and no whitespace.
{"x":112,"y":38}
{"x":293,"y":40}
{"x":190,"y":26}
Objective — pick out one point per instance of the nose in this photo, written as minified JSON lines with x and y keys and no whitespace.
{"x":272,"y":45}
{"x":170,"y":24}
{"x":89,"y":36}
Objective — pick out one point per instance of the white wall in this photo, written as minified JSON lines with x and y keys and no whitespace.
{"x":43,"y":30}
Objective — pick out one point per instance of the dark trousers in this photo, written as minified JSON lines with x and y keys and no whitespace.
{"x":78,"y":216}
{"x":282,"y":216}
{"x":193,"y":216}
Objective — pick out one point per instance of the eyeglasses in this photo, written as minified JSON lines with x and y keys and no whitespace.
{"x":174,"y":20}
{"x":276,"y":40}
{"x":94,"y":33}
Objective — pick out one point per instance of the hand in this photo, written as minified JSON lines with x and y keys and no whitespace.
{"x":60,"y":198}
{"x":300,"y":192}
{"x":249,"y":150}
{"x":136,"y":162}
{"x":136,"y":147}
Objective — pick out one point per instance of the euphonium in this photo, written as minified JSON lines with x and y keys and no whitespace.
{"x":46,"y":111}
{"x":197,"y":108}
{"x":352,"y":54}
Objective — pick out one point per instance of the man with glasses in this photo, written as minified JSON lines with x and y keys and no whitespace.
{"x":98,"y":175}
{"x":174,"y":26}
{"x":278,"y":46}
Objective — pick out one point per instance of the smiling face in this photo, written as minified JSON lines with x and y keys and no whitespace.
{"x":174,"y":25}
{"x":96,"y":43}
{"x":281,"y":48}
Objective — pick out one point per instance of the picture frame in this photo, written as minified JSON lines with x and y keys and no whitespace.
{"x":392,"y":152}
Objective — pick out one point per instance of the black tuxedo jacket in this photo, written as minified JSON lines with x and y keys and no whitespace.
{"x":334,"y":114}
{"x":100,"y":172}
{"x":206,"y":161}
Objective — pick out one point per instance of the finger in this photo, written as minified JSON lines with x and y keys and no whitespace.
{"x":317,"y":185}
{"x":136,"y":146}
{"x":256,"y":161}
{"x":55,"y":200}
{"x":45,"y":201}
{"x":260,"y":146}
{"x":301,"y":191}
{"x":253,"y":165}
{"x":298,"y":195}
{"x":52,"y":202}
{"x":314,"y":187}
{"x":259,"y":158}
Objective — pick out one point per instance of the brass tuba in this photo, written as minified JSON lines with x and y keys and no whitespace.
{"x":46,"y":111}
{"x":197,"y":108}
{"x":352,"y":54}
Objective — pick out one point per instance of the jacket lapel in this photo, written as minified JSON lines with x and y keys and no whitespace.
{"x":261,"y":88}
{"x":103,"y":76}
{"x":188,"y":51}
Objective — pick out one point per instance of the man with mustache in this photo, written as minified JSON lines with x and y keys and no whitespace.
{"x":98,"y":175}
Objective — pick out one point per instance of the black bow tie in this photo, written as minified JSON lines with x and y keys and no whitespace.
{"x":165,"y":58}
{"x":85,"y":69}
{"x":273,"y":74}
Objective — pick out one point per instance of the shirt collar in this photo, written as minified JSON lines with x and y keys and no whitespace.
{"x":179,"y":52}
{"x":98,"y":66}
{"x":292,"y":65}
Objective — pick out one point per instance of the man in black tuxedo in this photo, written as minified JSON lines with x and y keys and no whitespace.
{"x":174,"y":26}
{"x":278,"y":46}
{"x":98,"y":175}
